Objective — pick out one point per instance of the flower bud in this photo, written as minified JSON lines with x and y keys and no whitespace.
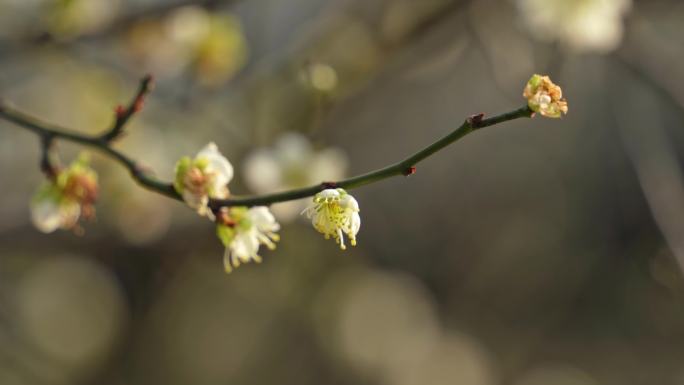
{"x":545,"y":97}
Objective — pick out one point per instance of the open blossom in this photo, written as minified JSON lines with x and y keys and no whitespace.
{"x":292,"y":162}
{"x":242,"y":231}
{"x":60,"y":202}
{"x":334,"y":213}
{"x":582,"y":25}
{"x":545,"y":97}
{"x":206,"y":176}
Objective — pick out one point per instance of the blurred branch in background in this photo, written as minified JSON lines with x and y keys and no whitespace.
{"x":121,"y":23}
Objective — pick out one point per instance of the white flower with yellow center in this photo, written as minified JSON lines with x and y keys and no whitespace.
{"x":204,"y":177}
{"x":242,"y":231}
{"x":335,"y":213}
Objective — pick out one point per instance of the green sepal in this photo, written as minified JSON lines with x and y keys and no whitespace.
{"x":535,"y":82}
{"x":226,"y":234}
{"x":47,"y":191}
{"x":182,"y":168}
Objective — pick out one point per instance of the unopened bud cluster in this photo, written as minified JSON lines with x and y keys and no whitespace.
{"x":545,"y":97}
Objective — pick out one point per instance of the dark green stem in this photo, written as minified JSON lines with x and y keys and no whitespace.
{"x":405,"y":167}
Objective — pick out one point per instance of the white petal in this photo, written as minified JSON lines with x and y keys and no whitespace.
{"x":261,"y":217}
{"x":355,"y":223}
{"x":218,"y":164}
{"x":328,"y":194}
{"x":193,"y":200}
{"x":46,"y":216}
{"x":228,"y":259}
{"x":349,"y":202}
{"x":70,"y":212}
{"x":245,"y":246}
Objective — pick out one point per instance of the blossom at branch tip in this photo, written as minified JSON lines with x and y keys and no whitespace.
{"x":60,"y":202}
{"x":204,"y":177}
{"x":242,"y":231}
{"x":334,"y":213}
{"x":545,"y":97}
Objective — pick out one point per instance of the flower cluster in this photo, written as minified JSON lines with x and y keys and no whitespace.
{"x":61,"y":201}
{"x":243,"y":230}
{"x":545,"y":97}
{"x":333,"y":213}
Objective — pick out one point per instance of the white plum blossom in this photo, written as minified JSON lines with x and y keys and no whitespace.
{"x":292,"y":163}
{"x":51,"y":214}
{"x":204,"y":177}
{"x":583,"y":25}
{"x":61,"y":201}
{"x":242,"y":231}
{"x":334,"y":213}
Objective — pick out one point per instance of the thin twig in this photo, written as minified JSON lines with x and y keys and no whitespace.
{"x":405,"y":167}
{"x":123,"y":114}
{"x":45,"y":129}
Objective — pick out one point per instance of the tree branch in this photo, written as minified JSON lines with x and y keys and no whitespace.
{"x":405,"y":167}
{"x":123,"y":114}
{"x":49,"y":132}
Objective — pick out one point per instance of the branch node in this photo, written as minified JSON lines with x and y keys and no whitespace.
{"x":328,"y":185}
{"x":119,"y":111}
{"x":123,"y":114}
{"x":475,"y":120}
{"x":223,"y":217}
{"x":409,"y":171}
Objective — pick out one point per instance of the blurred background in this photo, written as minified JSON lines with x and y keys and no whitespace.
{"x":535,"y":252}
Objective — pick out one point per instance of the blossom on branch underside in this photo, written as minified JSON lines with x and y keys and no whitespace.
{"x":204,"y":177}
{"x":61,"y":201}
{"x":242,"y":231}
{"x":334,"y":213}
